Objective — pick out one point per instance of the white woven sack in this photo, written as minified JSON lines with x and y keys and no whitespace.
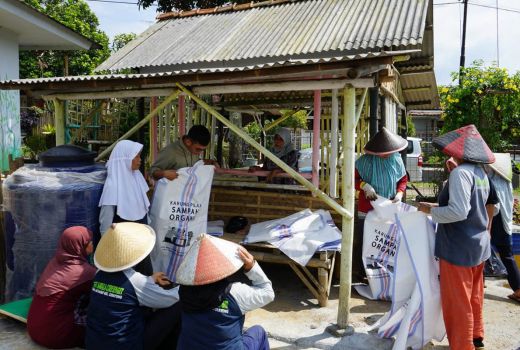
{"x":179,"y":214}
{"x":415,"y":317}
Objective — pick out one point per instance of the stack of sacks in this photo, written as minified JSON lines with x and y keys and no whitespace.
{"x":299,"y":235}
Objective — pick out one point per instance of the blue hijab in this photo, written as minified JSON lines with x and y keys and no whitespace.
{"x":382,"y":173}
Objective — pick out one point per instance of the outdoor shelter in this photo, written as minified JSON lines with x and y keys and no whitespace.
{"x":342,"y":58}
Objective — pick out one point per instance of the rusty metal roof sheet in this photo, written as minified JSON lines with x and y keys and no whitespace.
{"x":307,"y":29}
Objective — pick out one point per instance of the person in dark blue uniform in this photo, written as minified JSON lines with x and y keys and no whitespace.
{"x":213,"y":307}
{"x":118,"y":315}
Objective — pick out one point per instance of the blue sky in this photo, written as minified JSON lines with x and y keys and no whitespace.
{"x":481,"y":37}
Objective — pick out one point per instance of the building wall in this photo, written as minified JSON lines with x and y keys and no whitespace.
{"x":10,"y":138}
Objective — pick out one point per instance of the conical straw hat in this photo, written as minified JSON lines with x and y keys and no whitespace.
{"x":124,"y":245}
{"x":465,"y":143}
{"x":385,"y":142}
{"x":209,"y":259}
{"x":502,"y":166}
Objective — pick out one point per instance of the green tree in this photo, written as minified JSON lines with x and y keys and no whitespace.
{"x":489,"y":97}
{"x":77,"y":15}
{"x":121,"y":40}
{"x":297,"y":119}
{"x":171,"y":5}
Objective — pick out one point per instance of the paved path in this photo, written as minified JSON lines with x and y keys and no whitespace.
{"x":294,"y":321}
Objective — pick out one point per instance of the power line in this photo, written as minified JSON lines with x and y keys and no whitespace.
{"x":481,"y":5}
{"x":496,"y":7}
{"x":118,"y":2}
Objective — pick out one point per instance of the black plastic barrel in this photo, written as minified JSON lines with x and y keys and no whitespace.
{"x":41,"y":201}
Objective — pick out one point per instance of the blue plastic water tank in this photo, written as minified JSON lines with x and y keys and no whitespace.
{"x":41,"y":201}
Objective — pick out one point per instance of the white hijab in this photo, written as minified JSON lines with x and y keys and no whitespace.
{"x":124,"y":187}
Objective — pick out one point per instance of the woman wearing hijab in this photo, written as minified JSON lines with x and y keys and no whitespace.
{"x":56,"y":317}
{"x":462,"y":241}
{"x":500,"y":174}
{"x":283,"y":149}
{"x":124,"y":194}
{"x":380,"y":171}
{"x":213,"y":307}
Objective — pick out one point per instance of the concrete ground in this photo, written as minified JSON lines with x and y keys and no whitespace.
{"x":295,"y":321}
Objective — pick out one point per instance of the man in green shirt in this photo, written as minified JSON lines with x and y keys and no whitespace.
{"x":182,"y":153}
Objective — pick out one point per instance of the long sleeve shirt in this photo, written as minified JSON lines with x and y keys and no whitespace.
{"x":364,"y":205}
{"x":462,"y":238}
{"x":253,"y":297}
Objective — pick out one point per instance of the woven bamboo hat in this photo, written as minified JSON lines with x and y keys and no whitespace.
{"x":502,"y":166}
{"x":124,"y":245}
{"x":465,"y":143}
{"x":209,"y":259}
{"x":385,"y":142}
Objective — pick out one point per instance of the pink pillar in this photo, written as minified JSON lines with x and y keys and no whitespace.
{"x":316,"y":138}
{"x":182,"y":116}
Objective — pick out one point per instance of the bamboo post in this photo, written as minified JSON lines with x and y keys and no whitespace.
{"x":333,"y":156}
{"x":59,"y":121}
{"x":155,"y":131}
{"x":142,"y":122}
{"x":314,"y":190}
{"x":168,"y":126}
{"x":347,"y":191}
{"x":316,"y":137}
{"x":181,"y":114}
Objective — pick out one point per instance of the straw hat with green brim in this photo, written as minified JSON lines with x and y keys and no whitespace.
{"x":124,"y":245}
{"x":502,"y":166}
{"x":209,"y":259}
{"x":385,"y":142}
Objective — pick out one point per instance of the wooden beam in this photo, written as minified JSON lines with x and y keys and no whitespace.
{"x":103,"y":95}
{"x":284,"y":86}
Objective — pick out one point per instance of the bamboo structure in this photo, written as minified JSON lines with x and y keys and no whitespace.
{"x":142,"y":122}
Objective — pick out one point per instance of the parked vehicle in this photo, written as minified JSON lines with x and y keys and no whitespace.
{"x":414,"y":159}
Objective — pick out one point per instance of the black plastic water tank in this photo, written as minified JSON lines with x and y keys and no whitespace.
{"x":66,"y":156}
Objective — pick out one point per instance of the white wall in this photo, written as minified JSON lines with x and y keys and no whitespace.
{"x":10,"y":140}
{"x":9,"y":67}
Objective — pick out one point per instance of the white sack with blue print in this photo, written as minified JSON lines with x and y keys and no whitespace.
{"x":380,"y":244}
{"x":179,"y":214}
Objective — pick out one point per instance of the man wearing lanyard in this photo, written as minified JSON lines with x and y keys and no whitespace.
{"x":182,"y":153}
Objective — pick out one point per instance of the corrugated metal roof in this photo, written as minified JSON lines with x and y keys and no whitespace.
{"x":280,"y":33}
{"x":102,"y":77}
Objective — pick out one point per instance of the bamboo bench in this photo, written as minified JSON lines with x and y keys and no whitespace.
{"x":322,"y":261}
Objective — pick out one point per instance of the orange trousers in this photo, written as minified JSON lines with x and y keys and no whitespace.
{"x":462,"y":297}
